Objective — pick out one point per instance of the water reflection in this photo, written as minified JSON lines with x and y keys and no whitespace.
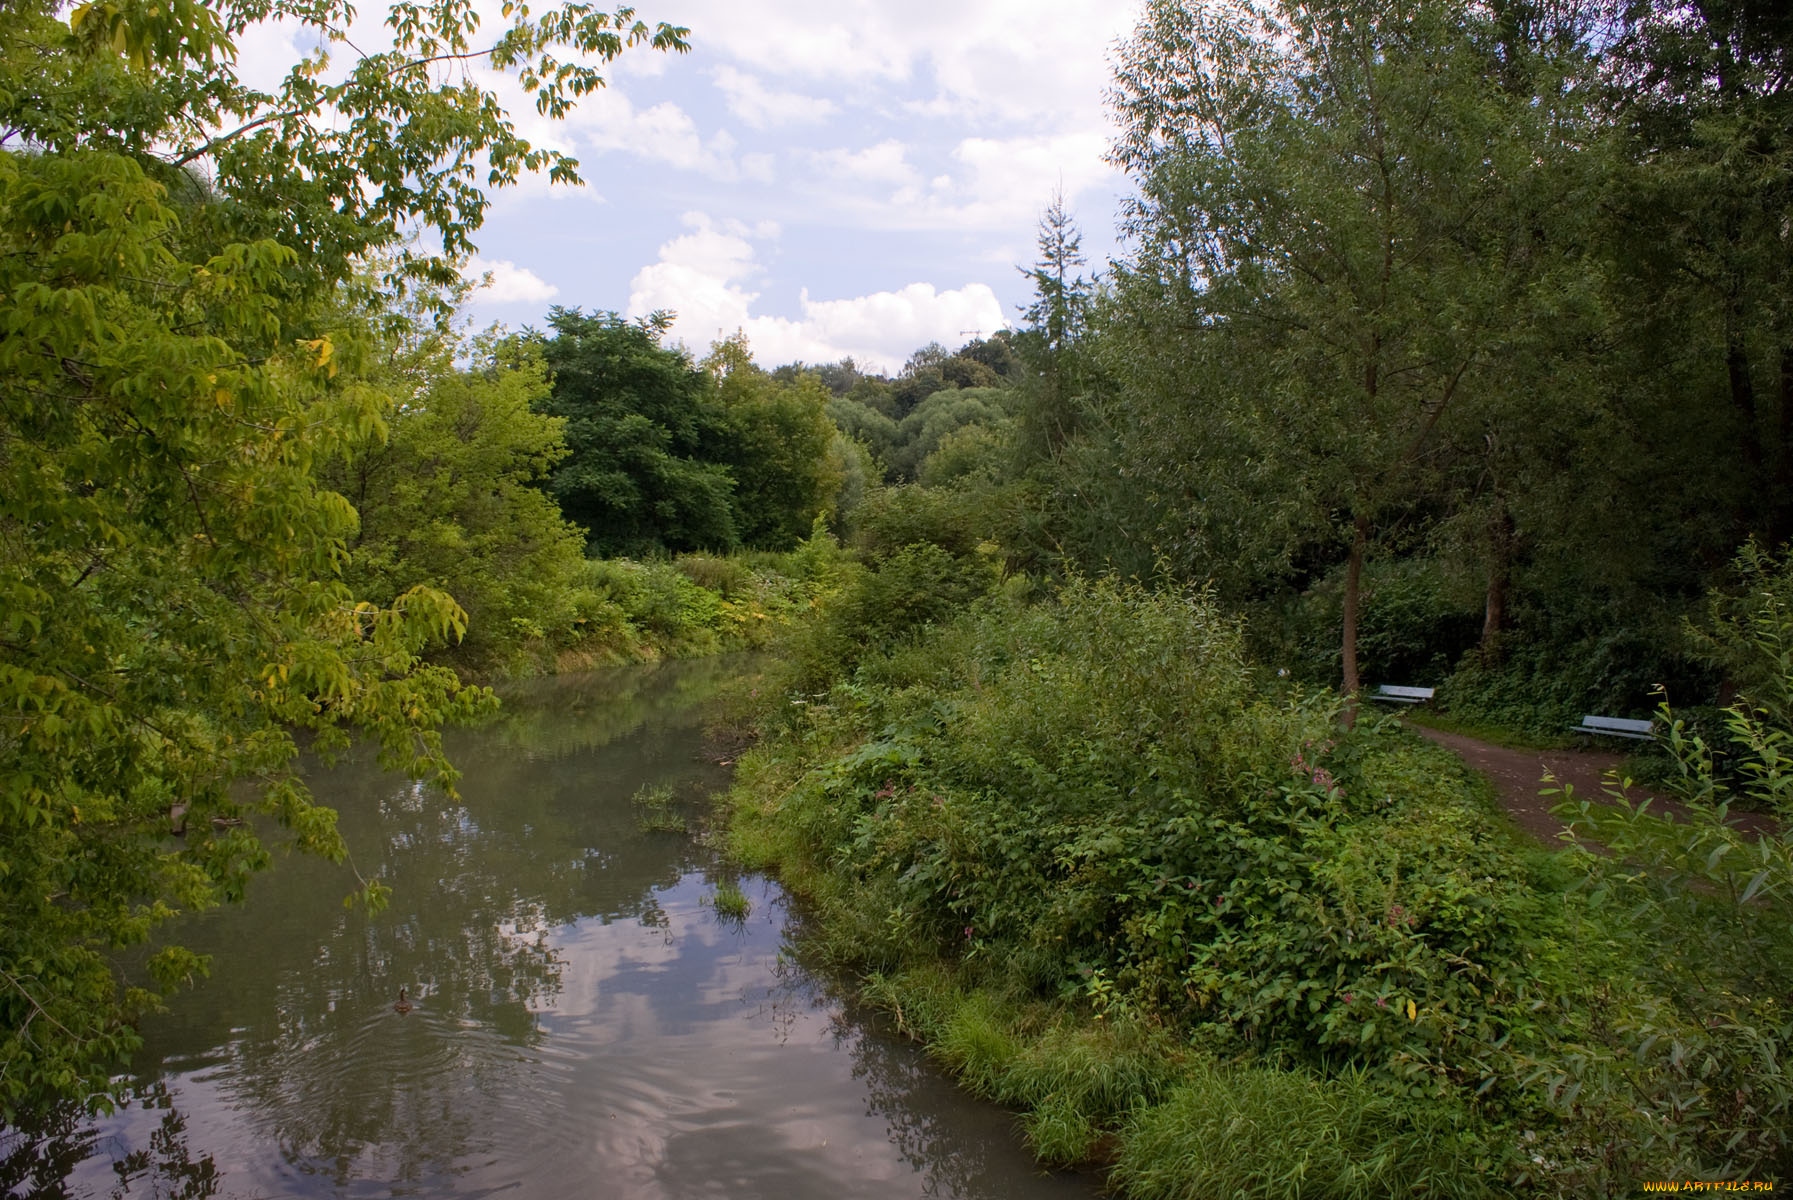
{"x":583,"y":1019}
{"x":40,"y":1166}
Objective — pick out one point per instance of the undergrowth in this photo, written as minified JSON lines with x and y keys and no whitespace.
{"x":1188,"y":926}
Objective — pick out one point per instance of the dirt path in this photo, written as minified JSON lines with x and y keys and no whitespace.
{"x":1518,"y":776}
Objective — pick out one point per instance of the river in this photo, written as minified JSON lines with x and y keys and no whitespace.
{"x":584,"y":1022}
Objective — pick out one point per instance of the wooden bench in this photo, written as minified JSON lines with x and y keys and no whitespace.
{"x":1615,"y":727}
{"x":1402,"y":695}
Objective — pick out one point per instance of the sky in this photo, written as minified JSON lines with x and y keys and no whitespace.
{"x":831,"y":177}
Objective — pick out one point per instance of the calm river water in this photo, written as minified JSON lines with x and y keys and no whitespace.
{"x":585,"y":1022}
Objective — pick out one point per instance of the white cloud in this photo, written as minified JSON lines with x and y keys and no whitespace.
{"x":757,"y":167}
{"x":266,"y":51}
{"x":504,"y":282}
{"x":886,"y":327}
{"x":702,"y":275}
{"x":887,"y":163}
{"x":992,"y":185}
{"x":762,"y":108}
{"x":662,"y":132}
{"x":1035,"y":61}
{"x":1010,"y":179}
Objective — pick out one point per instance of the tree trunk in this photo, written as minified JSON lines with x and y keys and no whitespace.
{"x":1360,"y":540}
{"x":1743,"y":399}
{"x":1500,"y":568}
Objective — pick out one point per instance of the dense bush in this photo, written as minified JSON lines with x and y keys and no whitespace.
{"x":697,"y":604}
{"x":1129,"y":817}
{"x":1092,"y":805}
{"x":447,"y":498}
{"x":920,"y":563}
{"x":1542,"y":686}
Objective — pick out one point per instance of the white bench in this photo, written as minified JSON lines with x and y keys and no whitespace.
{"x":1615,"y":727}
{"x":1402,"y":695}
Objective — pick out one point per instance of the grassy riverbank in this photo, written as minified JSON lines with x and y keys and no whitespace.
{"x":1161,"y":904}
{"x":610,"y":611}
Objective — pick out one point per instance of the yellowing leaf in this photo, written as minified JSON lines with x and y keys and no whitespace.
{"x":322,"y":349}
{"x":1412,"y":1011}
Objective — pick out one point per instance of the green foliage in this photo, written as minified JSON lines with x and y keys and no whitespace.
{"x":923,"y":565}
{"x":852,"y":463}
{"x":1414,"y":626}
{"x":779,"y":447}
{"x":445,"y":499}
{"x":1747,"y":632}
{"x":864,"y":424}
{"x":697,"y":604}
{"x":1699,"y":201}
{"x":1543,"y":685}
{"x":645,"y":439}
{"x":665,"y":454}
{"x":1128,"y":809}
{"x":905,"y":516}
{"x":654,"y":598}
{"x":1704,"y":1062}
{"x":1092,"y":811}
{"x":920,"y":433}
{"x":730,"y":902}
{"x":176,"y":360}
{"x":1359,"y":295}
{"x":1055,"y":343}
{"x":971,"y":455}
{"x":409,"y":143}
{"x":1259,"y":1132}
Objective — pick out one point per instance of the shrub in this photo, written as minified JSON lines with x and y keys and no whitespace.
{"x":1049,"y":828}
{"x":729,"y":577}
{"x":1093,"y":792}
{"x":654,"y":598}
{"x":898,"y":517}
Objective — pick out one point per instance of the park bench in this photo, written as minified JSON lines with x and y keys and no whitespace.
{"x":1402,"y":695}
{"x":1615,"y":727}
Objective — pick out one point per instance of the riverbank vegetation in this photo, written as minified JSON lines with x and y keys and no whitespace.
{"x":1449,"y":346}
{"x":1163,"y":903}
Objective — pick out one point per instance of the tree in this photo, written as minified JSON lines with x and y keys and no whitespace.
{"x":644,"y":439}
{"x":1057,"y":321}
{"x":447,"y":498}
{"x":920,"y":433}
{"x":838,"y":377}
{"x":177,"y":353}
{"x":1314,"y":240}
{"x":996,"y":352}
{"x":1703,"y":96}
{"x":777,"y":447}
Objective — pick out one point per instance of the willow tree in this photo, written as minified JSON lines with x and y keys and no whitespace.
{"x":180,"y":344}
{"x":1324,"y":277}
